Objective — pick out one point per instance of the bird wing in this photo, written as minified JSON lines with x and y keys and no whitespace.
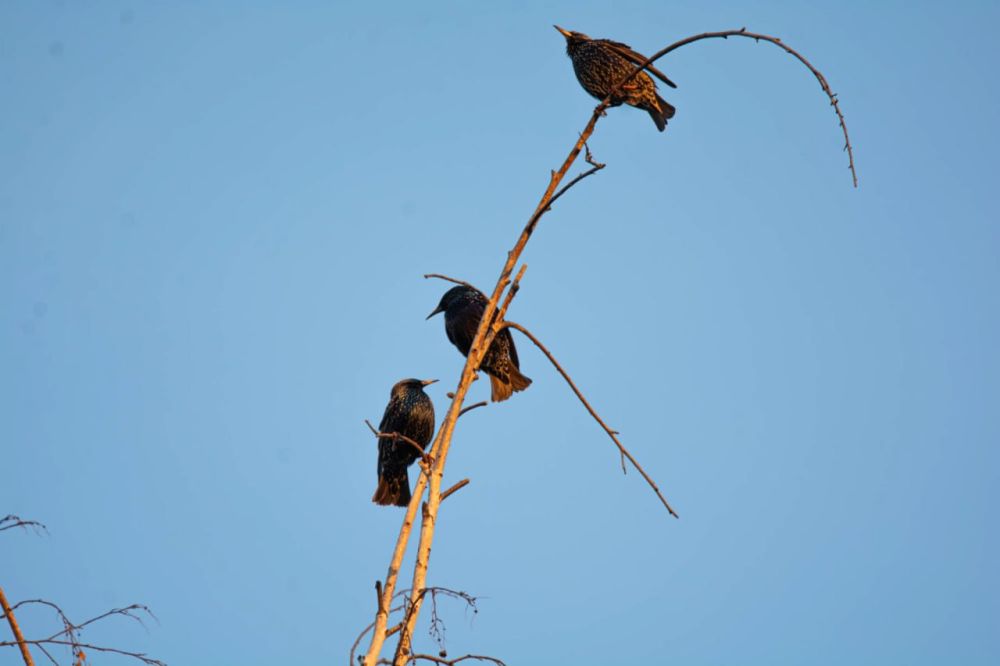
{"x":505,"y":333}
{"x":637,"y":59}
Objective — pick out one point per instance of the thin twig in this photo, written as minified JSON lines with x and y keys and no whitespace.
{"x":395,"y":436}
{"x":471,"y":407}
{"x":458,"y":486}
{"x":452,"y":662}
{"x":451,"y":279}
{"x":595,"y":167}
{"x":10,"y":521}
{"x":141,"y":656}
{"x":71,"y":631}
{"x":611,"y":433}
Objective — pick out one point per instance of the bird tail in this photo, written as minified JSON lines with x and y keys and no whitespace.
{"x":501,"y":390}
{"x":662,"y":114}
{"x":393,"y":488}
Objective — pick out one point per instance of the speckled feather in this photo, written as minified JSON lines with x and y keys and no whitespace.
{"x":410,"y":412}
{"x":463,"y":309}
{"x":600,"y":64}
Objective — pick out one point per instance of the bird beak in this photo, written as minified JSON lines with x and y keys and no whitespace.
{"x":436,"y":310}
{"x":565,"y":33}
{"x":427,"y":382}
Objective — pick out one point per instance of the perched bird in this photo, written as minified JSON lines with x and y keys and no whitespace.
{"x":463,"y":308}
{"x":410,"y":413}
{"x":600,"y":64}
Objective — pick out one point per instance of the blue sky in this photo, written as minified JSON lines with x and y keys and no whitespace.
{"x":214,"y":219}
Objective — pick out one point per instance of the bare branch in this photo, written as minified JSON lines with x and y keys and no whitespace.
{"x":141,"y":656}
{"x":452,"y":662}
{"x":458,"y":486}
{"x":388,"y":590}
{"x":451,"y":279}
{"x":475,"y":406}
{"x":611,"y":433}
{"x":742,"y":32}
{"x":47,"y":654}
{"x":16,"y":630}
{"x":595,"y":167}
{"x":69,"y":634}
{"x":357,"y":641}
{"x":10,"y":521}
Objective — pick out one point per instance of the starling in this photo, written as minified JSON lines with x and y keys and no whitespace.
{"x":410,"y":413}
{"x":601,"y":63}
{"x":463,"y":308}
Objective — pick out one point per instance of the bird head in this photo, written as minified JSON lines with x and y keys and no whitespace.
{"x":404,"y":386}
{"x":452,"y":296}
{"x":572,"y":38}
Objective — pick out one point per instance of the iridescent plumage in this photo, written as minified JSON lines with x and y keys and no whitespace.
{"x":463,"y":308}
{"x":601,"y":63}
{"x":410,"y":413}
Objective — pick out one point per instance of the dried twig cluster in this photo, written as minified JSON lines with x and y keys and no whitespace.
{"x":69,"y":635}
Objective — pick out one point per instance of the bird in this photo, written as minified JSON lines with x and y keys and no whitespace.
{"x":601,"y":63}
{"x":463,"y":308}
{"x":410,"y":413}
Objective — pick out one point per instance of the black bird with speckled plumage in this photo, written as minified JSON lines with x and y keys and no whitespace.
{"x":410,"y":413}
{"x":463,"y":308}
{"x":601,"y":63}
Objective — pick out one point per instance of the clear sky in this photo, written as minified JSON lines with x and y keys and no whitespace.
{"x":214,"y":218}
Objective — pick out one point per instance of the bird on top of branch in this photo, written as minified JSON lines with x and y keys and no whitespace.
{"x":600,"y":64}
{"x":463,"y":308}
{"x":410,"y":413}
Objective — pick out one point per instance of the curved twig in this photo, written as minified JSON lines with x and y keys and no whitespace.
{"x":742,"y":32}
{"x":471,"y":407}
{"x":611,"y":433}
{"x":452,"y":662}
{"x":427,"y":276}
